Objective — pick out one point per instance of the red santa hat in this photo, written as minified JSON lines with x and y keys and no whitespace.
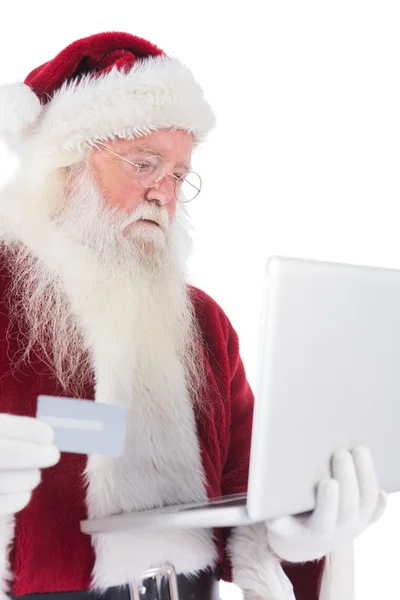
{"x":102,"y":87}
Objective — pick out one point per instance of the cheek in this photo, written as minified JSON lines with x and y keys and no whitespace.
{"x":118,"y":192}
{"x":123,"y":196}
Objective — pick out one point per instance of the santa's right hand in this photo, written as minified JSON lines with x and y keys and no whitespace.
{"x":26,"y":446}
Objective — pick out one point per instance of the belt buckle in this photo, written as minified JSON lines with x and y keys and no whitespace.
{"x":166,"y":570}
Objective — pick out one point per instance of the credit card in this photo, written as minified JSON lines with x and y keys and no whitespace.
{"x":84,"y":426}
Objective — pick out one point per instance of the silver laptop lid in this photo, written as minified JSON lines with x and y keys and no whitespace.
{"x":328,"y":378}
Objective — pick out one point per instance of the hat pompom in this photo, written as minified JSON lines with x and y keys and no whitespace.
{"x":19,"y":108}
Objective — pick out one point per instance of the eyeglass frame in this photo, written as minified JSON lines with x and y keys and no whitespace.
{"x":159,"y":179}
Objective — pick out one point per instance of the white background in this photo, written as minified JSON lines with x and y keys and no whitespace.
{"x":304,"y":160}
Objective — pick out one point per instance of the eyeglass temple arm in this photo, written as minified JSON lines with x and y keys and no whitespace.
{"x":138,"y":165}
{"x":118,"y":155}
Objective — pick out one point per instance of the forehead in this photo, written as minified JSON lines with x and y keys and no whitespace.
{"x":172,"y":145}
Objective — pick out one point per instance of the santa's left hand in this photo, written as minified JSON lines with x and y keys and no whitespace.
{"x":345,"y":505}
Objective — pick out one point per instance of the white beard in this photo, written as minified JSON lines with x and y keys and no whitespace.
{"x":99,"y":298}
{"x":105,"y":284}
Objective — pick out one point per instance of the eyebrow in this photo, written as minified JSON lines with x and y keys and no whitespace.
{"x":150,"y":150}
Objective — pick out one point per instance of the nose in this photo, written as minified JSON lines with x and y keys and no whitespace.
{"x":163,"y":192}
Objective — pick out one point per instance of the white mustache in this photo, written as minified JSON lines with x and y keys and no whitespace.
{"x":148,"y":212}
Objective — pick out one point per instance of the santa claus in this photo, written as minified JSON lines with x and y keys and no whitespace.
{"x":95,"y":304}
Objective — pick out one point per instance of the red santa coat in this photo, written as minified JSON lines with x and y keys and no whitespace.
{"x":49,"y":553}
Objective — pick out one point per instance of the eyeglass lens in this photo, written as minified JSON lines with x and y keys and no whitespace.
{"x":152,"y":170}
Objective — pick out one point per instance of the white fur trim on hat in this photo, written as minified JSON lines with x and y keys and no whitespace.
{"x":156,"y":93}
{"x":19,"y":108}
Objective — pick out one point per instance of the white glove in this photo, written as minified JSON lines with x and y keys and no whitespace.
{"x":345,"y":506}
{"x":26,"y":446}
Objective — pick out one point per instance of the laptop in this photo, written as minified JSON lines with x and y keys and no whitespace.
{"x":328,"y":378}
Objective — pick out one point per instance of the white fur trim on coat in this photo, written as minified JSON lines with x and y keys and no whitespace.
{"x":159,"y":467}
{"x":255,"y":568}
{"x":157,"y":93}
{"x":338,"y":577}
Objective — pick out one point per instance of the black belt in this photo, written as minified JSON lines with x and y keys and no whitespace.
{"x":203,"y":586}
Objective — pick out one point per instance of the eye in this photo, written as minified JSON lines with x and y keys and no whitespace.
{"x":136,"y":162}
{"x":131,"y":162}
{"x":144,"y":165}
{"x":151,"y":164}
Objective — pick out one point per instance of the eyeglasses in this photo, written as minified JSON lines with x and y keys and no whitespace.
{"x":151,"y":171}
